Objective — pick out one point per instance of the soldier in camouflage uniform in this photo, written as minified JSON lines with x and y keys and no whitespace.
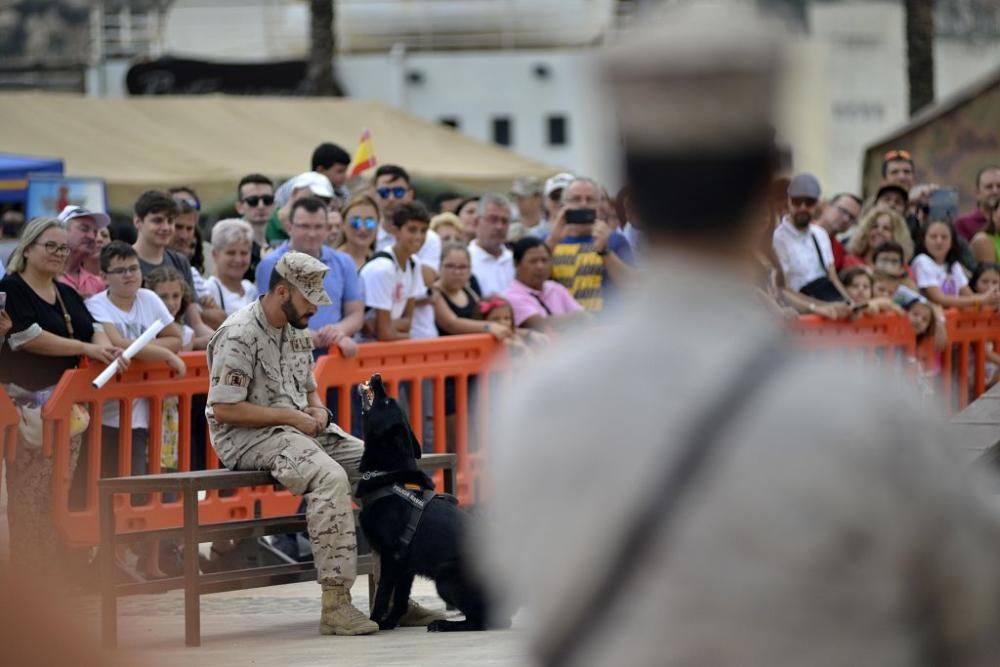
{"x":264,"y":414}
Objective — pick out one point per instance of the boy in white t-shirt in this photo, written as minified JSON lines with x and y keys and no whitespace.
{"x":392,"y":280}
{"x":125,"y":310}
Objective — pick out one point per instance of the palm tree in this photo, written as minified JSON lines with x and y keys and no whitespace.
{"x":320,"y":79}
{"x":920,"y":52}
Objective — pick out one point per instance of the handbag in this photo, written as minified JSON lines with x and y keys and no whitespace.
{"x":29,"y":404}
{"x":822,"y":288}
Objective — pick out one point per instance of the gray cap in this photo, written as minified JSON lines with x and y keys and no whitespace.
{"x":306,"y":274}
{"x":804,"y":185}
{"x":699,"y":74}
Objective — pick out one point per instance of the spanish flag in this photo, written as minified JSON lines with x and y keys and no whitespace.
{"x":364,"y":157}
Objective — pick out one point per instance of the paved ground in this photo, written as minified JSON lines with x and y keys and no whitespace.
{"x":278,"y":626}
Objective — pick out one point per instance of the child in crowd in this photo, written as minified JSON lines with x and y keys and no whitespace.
{"x":858,"y":283}
{"x":392,"y":279}
{"x":499,"y":310}
{"x":940,"y":276}
{"x":173,"y":290}
{"x":126,"y":310}
{"x":985,"y":280}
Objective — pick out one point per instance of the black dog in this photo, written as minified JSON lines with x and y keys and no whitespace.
{"x":413,"y":530}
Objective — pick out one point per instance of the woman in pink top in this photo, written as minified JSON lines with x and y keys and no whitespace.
{"x":539,"y":303}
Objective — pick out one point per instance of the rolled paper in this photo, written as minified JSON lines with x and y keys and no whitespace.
{"x":132,"y":350}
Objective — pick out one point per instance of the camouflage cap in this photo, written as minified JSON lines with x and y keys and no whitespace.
{"x":306,"y":274}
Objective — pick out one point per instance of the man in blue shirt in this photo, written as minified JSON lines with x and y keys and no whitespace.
{"x":308,"y":227}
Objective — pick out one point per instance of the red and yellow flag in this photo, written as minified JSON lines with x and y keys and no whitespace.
{"x":364,"y":156}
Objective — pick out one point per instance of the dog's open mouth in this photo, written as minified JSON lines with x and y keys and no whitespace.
{"x":367,"y":395}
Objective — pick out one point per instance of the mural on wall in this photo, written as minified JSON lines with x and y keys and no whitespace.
{"x":950,"y":142}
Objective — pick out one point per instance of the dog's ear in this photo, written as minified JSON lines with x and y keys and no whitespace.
{"x":416,"y":445}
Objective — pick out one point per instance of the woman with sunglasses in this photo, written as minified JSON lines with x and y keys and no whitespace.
{"x":51,"y":329}
{"x":360,"y":228}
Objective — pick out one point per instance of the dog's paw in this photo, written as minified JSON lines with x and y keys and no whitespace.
{"x":437,"y":626}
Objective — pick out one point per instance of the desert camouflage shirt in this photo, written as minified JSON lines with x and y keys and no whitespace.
{"x":250,"y":360}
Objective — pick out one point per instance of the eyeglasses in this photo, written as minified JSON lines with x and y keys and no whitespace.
{"x":254,"y":200}
{"x":357,"y":222}
{"x":897,"y":155}
{"x":851,"y":218}
{"x":803,"y":201}
{"x":310,"y":228}
{"x":54,"y":248}
{"x":397,"y":192}
{"x":124,"y":271}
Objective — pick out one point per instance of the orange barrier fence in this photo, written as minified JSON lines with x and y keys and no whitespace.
{"x":8,"y":425}
{"x":79,"y":525}
{"x":963,"y":364}
{"x":872,"y":336}
{"x":447,"y":385}
{"x":466,"y":361}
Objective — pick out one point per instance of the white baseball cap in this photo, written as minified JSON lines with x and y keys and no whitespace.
{"x":558,"y":182}
{"x":317,"y":183}
{"x":72,"y":212}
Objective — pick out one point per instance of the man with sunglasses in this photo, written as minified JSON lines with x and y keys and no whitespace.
{"x":391,"y":185}
{"x":898,"y":167}
{"x":255,"y":204}
{"x":804,"y":248}
{"x":334,"y":323}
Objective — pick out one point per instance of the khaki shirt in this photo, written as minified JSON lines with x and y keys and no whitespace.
{"x":832,"y":528}
{"x":252,"y":361}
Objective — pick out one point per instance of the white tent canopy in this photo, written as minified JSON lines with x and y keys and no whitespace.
{"x":210,"y":142}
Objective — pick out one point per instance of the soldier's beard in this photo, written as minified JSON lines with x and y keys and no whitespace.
{"x":294,"y":317}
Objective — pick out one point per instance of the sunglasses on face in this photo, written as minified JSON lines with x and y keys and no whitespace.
{"x":358,"y":222}
{"x":803,"y":201}
{"x":897,"y":155}
{"x":397,"y":192}
{"x":254,"y":200}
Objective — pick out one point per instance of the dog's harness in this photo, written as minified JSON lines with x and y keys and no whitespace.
{"x":416,"y":496}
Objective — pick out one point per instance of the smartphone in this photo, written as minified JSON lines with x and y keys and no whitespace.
{"x":580,"y":216}
{"x":3,"y":300}
{"x":943,"y":204}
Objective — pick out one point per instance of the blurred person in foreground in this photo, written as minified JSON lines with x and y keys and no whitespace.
{"x":796,"y":541}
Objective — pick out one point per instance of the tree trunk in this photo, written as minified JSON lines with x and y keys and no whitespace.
{"x":320,"y":79}
{"x":920,"y":52}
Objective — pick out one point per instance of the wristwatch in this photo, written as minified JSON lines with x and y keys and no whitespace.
{"x":329,"y":415}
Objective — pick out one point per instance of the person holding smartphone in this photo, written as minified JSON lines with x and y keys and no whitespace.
{"x":587,"y":256}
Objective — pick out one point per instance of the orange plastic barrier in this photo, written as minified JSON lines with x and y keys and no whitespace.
{"x":460,"y":358}
{"x":8,"y":425}
{"x":871,"y":336}
{"x":156,"y":382}
{"x":963,"y":376}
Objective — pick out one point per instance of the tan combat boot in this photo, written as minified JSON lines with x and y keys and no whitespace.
{"x":340,"y":617}
{"x":417,"y":616}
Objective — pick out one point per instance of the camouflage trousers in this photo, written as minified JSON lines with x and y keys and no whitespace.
{"x":324,"y":471}
{"x":34,"y":543}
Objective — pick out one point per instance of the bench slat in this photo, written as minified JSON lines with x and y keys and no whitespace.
{"x":206,"y":480}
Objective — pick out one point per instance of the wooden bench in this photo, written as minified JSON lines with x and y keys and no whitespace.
{"x":187,"y":485}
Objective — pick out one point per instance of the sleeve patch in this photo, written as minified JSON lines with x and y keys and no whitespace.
{"x":237,"y":379}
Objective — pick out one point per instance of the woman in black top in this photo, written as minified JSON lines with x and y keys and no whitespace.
{"x":456,"y":304}
{"x":51,"y":329}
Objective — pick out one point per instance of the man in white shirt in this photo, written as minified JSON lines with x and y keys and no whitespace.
{"x":804,"y":248}
{"x":492,"y":261}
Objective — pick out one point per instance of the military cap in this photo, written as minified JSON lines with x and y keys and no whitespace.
{"x":699,"y":74}
{"x":305,"y":273}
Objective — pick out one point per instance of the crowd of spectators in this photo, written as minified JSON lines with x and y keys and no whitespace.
{"x":524,"y":266}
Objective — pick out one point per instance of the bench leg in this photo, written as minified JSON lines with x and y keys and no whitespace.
{"x":109,"y":596}
{"x":192,"y":608}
